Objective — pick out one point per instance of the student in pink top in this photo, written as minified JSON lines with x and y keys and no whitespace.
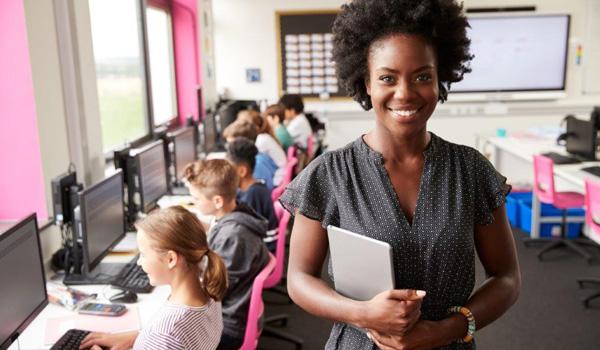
{"x":174,"y":251}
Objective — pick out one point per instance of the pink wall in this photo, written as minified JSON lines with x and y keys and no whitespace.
{"x":187,"y":60}
{"x":21,"y":179}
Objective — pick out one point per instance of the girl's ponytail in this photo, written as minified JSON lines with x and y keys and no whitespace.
{"x":214,"y":277}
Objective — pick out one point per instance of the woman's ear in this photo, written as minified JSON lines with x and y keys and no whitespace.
{"x":172,"y":259}
{"x":368,"y":85}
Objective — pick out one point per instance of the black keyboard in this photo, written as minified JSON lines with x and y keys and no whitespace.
{"x":133,"y":278}
{"x":594,"y":170}
{"x":70,"y":340}
{"x":558,"y":158}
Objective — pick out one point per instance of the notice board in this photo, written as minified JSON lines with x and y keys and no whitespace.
{"x":304,"y":47}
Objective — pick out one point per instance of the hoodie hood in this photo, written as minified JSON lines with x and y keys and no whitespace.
{"x":245,"y":216}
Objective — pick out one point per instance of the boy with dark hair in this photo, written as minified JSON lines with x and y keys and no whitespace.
{"x":296,"y":123}
{"x":265,"y":167}
{"x":236,"y":236}
{"x":242,"y":153}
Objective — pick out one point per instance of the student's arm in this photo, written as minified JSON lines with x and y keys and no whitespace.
{"x":118,"y":341}
{"x":496,"y":249}
{"x":392,"y":312}
{"x":284,"y":136}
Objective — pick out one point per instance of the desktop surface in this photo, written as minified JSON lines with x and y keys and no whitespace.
{"x":57,"y":319}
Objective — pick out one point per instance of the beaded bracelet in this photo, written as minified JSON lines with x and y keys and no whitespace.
{"x":470,"y":319}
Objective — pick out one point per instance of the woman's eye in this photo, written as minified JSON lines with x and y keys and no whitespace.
{"x":387,"y":79}
{"x":424,"y":77}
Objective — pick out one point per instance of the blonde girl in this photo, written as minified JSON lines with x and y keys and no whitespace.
{"x":174,"y":251}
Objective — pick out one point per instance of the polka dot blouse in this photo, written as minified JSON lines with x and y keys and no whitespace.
{"x":350,"y":188}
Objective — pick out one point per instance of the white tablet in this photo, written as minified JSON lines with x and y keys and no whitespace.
{"x":362,"y":266}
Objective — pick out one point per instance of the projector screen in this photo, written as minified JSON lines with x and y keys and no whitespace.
{"x":524,"y":53}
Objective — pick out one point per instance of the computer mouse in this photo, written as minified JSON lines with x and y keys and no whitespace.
{"x":125,"y":296}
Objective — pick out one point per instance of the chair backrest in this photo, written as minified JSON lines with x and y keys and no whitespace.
{"x":284,"y":218}
{"x":257,"y":307}
{"x":592,"y":206}
{"x":291,"y":152}
{"x":543,"y":174}
{"x":287,"y":178}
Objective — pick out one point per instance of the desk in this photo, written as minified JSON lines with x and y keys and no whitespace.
{"x":147,"y":305}
{"x":513,"y":157}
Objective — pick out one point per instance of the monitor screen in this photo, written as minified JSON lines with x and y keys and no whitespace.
{"x":210,"y":132}
{"x":102,"y":218}
{"x":152,"y":174}
{"x":185,"y":149}
{"x":22,"y":281}
{"x":581,"y":138}
{"x":517,"y":53}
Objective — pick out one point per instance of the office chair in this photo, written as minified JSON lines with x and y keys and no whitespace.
{"x":592,"y":209}
{"x":276,"y":277}
{"x":256,"y":308}
{"x":543,"y":169}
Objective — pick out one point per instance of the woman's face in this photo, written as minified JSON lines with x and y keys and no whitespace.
{"x":152,"y":261}
{"x":402,"y":82}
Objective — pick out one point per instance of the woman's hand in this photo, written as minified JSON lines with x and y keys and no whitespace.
{"x":119,"y":341}
{"x":393,"y":312}
{"x":418,"y":337}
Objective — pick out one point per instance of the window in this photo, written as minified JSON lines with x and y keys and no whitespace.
{"x":162,"y":69}
{"x":118,"y":54}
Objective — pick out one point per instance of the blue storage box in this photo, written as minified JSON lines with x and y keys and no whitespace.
{"x":573,"y":229}
{"x":513,"y":210}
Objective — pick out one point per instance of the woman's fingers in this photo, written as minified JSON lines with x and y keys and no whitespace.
{"x":384,"y":343}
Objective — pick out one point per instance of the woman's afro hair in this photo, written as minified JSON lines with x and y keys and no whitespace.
{"x":362,"y":22}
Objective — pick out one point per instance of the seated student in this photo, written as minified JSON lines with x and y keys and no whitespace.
{"x":265,"y":167}
{"x":275,"y":115}
{"x":242,"y":152}
{"x":237,"y":236}
{"x":174,"y":251}
{"x":296,"y":122}
{"x":266,"y":141}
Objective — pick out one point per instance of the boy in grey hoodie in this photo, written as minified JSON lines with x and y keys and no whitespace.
{"x":236,"y":236}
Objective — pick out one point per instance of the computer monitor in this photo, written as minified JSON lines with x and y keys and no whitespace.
{"x":151,"y":169}
{"x":229,"y":111}
{"x":209,"y":127}
{"x":23,"y":293}
{"x":508,"y":48}
{"x":102,"y":218}
{"x":581,"y":138}
{"x":184,"y":149}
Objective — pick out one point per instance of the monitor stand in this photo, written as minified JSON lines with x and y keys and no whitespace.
{"x":104,"y":273}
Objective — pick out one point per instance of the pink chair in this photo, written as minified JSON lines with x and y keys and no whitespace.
{"x":275,"y":279}
{"x":310,"y":148}
{"x":257,"y":307}
{"x":291,"y":152}
{"x":592,"y":213}
{"x":287,"y":178}
{"x":543,"y":170}
{"x":284,"y":218}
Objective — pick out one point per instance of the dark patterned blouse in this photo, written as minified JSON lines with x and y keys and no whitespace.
{"x":350,"y":188}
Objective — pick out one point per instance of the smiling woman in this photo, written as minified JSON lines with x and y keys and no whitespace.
{"x":433,"y":201}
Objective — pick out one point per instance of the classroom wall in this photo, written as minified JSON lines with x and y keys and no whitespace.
{"x":245,"y":37}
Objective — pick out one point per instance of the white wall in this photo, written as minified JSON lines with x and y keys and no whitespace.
{"x":64,"y":82}
{"x":245,"y":37}
{"x":47,"y":84}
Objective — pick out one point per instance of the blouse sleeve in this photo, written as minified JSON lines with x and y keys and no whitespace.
{"x":312,"y":195}
{"x":491,"y":190}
